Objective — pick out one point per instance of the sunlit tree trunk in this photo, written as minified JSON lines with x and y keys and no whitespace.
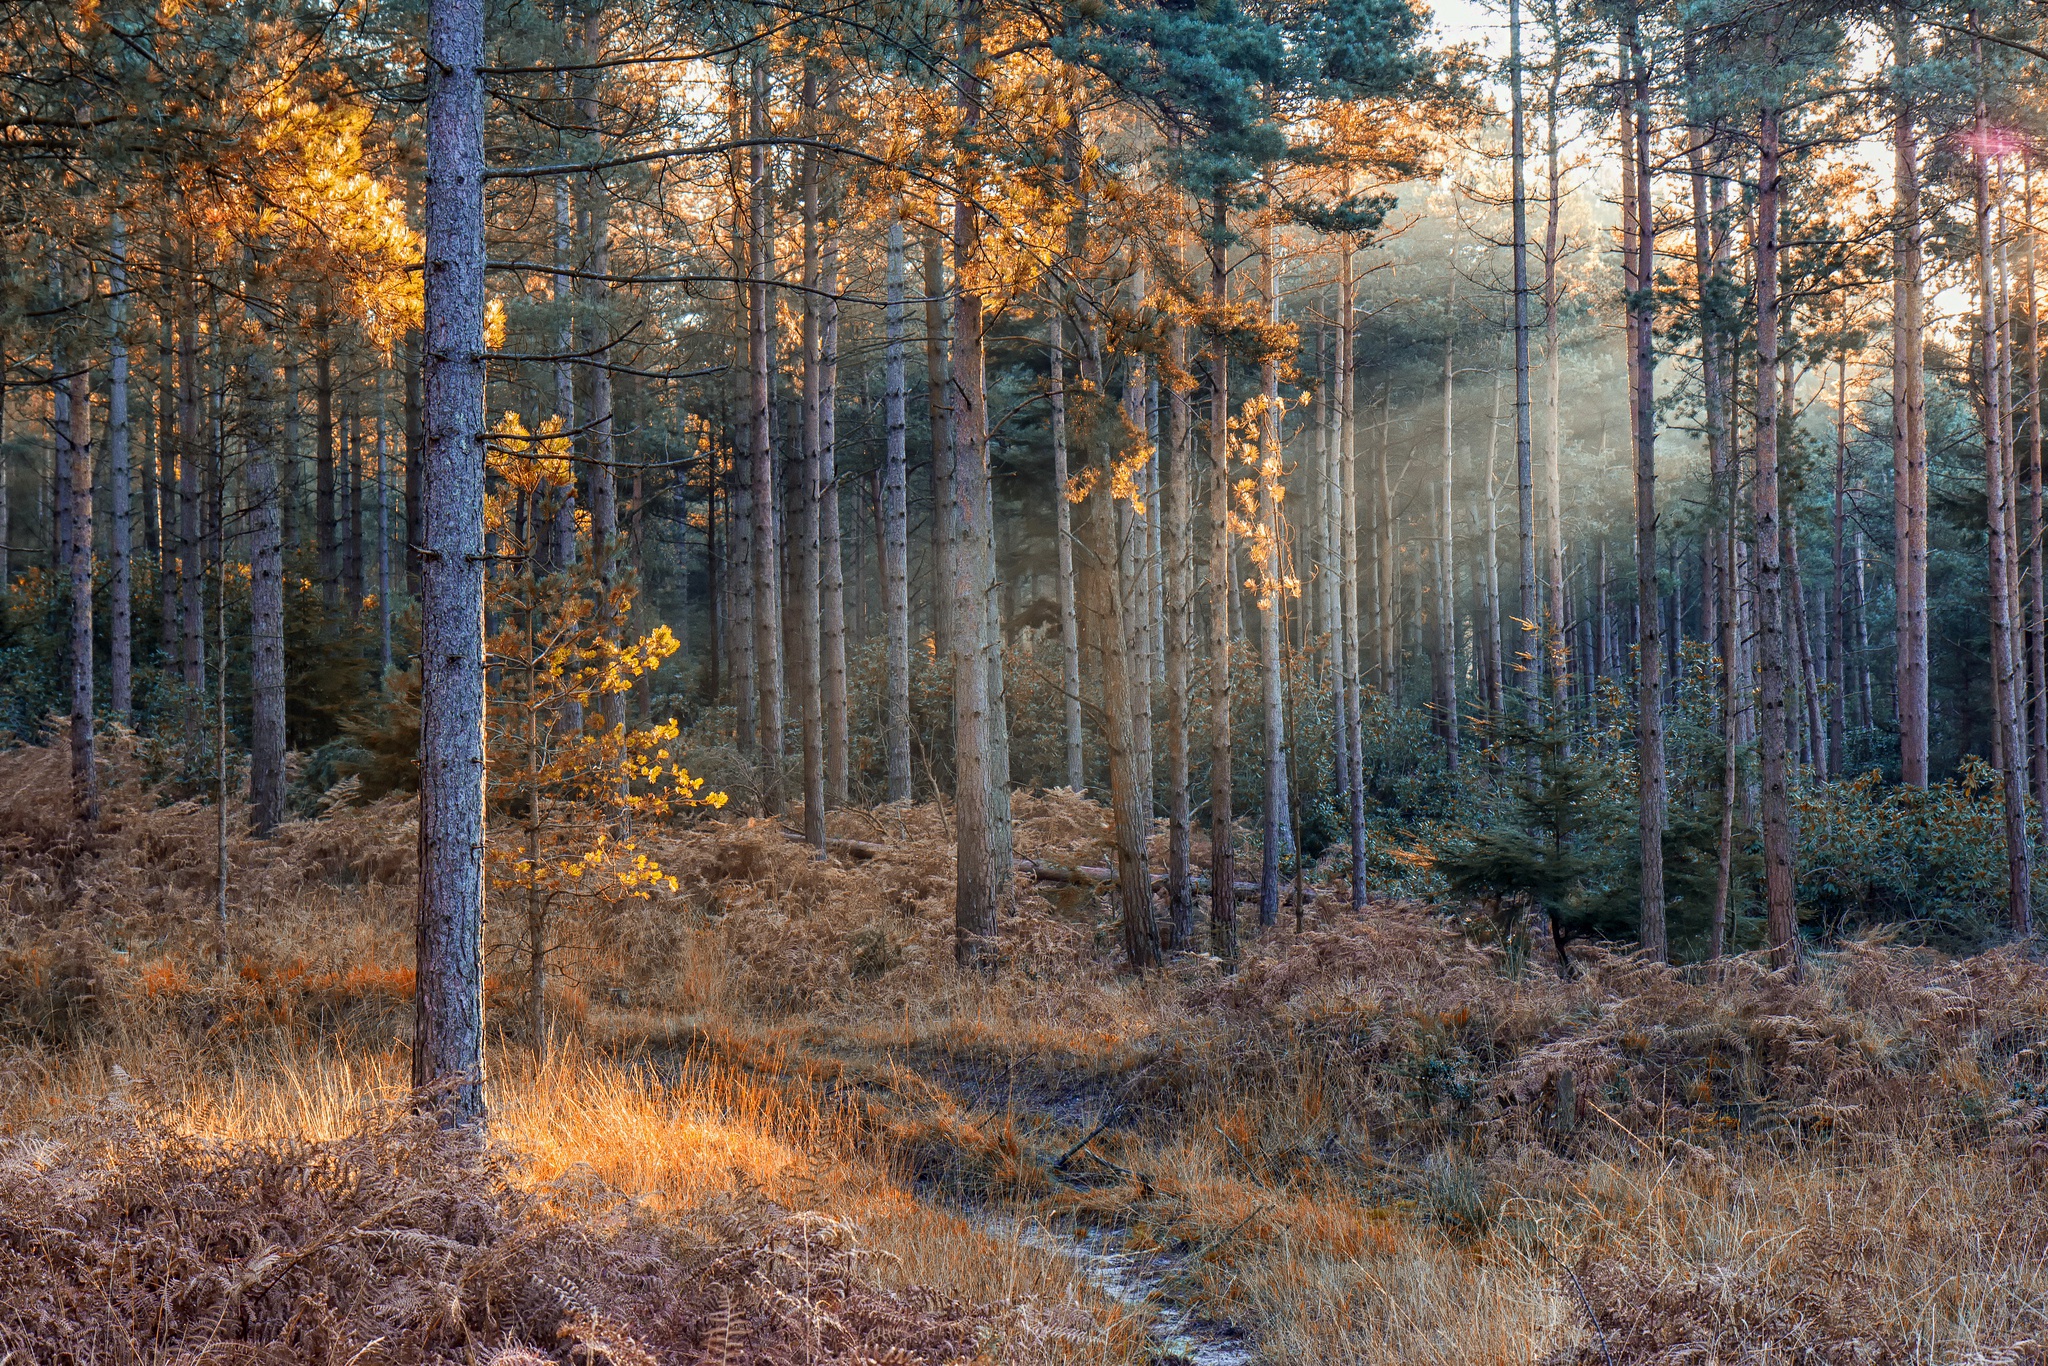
{"x":896,"y":537}
{"x":561,"y":542}
{"x":1909,"y":424}
{"x":601,"y":478}
{"x":1353,"y":652}
{"x":1838,"y":547}
{"x":760,"y":353}
{"x":1178,"y":586}
{"x":1063,"y":535}
{"x":804,"y":512}
{"x":1443,"y":616}
{"x":1222,"y":848}
{"x":1529,"y":614}
{"x":1998,"y":486}
{"x":981,"y":799}
{"x":939,"y":403}
{"x":2037,"y":550}
{"x":1649,"y":647}
{"x":1272,"y":596}
{"x":1553,"y":364}
{"x":448,"y":1005}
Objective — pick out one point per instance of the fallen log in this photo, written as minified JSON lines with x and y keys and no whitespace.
{"x":1080,"y":875}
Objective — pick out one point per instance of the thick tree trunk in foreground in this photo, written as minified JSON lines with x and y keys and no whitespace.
{"x":1781,"y":911}
{"x":831,"y":554}
{"x":1353,"y":659}
{"x":449,"y":1006}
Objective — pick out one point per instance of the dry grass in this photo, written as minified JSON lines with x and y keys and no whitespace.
{"x":1372,"y":1144}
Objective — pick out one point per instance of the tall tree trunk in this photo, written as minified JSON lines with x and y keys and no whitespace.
{"x":1553,"y":364}
{"x":1491,"y":645}
{"x":1998,"y":485}
{"x":937,"y":328}
{"x":981,"y":798}
{"x":120,"y":473}
{"x":1782,"y":927}
{"x":1443,"y":614}
{"x":326,"y":517}
{"x":169,"y":580}
{"x":1063,"y":535}
{"x":71,"y":419}
{"x":1838,"y":632}
{"x":1222,"y":850}
{"x":2037,"y":546}
{"x":602,"y":477}
{"x":1353,"y":654}
{"x":1909,"y":423}
{"x":1531,"y":641}
{"x":1649,"y":652}
{"x":896,"y":537}
{"x":1272,"y":596}
{"x":832,"y":570}
{"x":191,"y":601}
{"x":767,"y":626}
{"x":1178,"y":586}
{"x":266,"y":598}
{"x":810,"y":489}
{"x":449,"y":1004}
{"x":559,"y":540}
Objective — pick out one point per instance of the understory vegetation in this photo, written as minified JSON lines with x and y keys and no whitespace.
{"x":773,"y":1121}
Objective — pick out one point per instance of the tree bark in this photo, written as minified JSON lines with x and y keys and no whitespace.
{"x":1272,"y":594}
{"x":191,"y":601}
{"x":1443,"y":625}
{"x":326,"y":519}
{"x":1529,"y":615}
{"x":449,"y":1005}
{"x":937,"y":328}
{"x":767,"y":626}
{"x":121,"y":585}
{"x":981,"y":798}
{"x":1649,"y":651}
{"x":1222,"y":850}
{"x":1909,"y":425}
{"x":1353,"y":652}
{"x":832,"y":565}
{"x":1063,"y":536}
{"x":1782,"y":927}
{"x":896,"y":537}
{"x":1178,"y":624}
{"x":1998,"y":486}
{"x":1838,"y":629}
{"x":266,"y":600}
{"x":810,"y":488}
{"x":72,"y":420}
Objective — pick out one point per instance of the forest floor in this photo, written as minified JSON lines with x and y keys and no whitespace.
{"x":772,"y":1123}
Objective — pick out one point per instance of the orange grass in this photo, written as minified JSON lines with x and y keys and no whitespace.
{"x":1351,"y":1149}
